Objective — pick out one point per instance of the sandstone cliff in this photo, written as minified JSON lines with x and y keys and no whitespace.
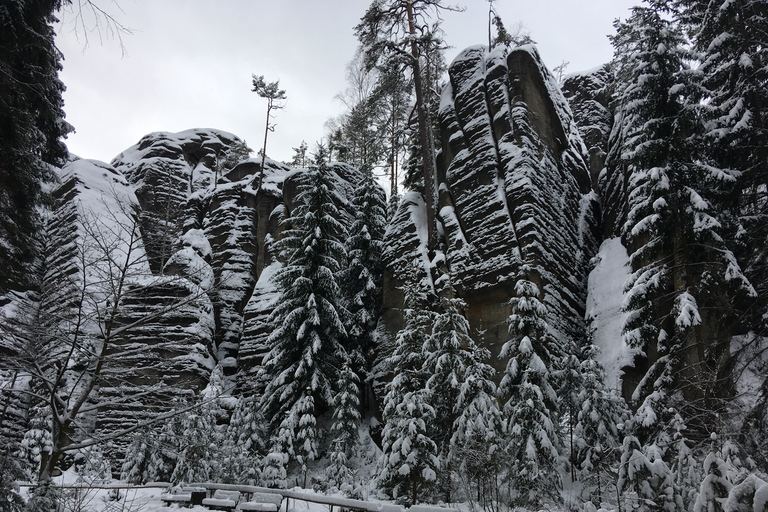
{"x":515,"y":196}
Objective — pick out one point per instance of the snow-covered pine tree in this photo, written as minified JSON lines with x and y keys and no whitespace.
{"x":136,"y":463}
{"x":646,"y":478}
{"x":531,"y":430}
{"x":344,"y":430}
{"x":273,"y":473}
{"x":10,"y":473}
{"x":601,"y":411}
{"x":306,"y":343}
{"x":409,"y":461}
{"x":243,"y":443}
{"x":685,"y":276}
{"x":684,"y":465}
{"x":731,"y":38}
{"x":568,"y":379}
{"x":645,"y":481}
{"x":198,"y":459}
{"x":392,"y":94}
{"x":166,"y":453}
{"x":32,"y":127}
{"x":716,"y":485}
{"x":362,"y":278}
{"x":459,"y":386}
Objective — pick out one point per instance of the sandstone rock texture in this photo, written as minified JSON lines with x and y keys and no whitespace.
{"x":516,"y":197}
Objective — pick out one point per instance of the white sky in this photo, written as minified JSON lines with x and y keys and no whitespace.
{"x":189,"y":63}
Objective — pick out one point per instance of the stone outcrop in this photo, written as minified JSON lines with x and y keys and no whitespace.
{"x":166,"y":169}
{"x":201,"y":180}
{"x":515,"y":197}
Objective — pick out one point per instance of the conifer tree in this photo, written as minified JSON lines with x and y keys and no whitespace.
{"x":273,"y":471}
{"x":568,"y":379}
{"x":275,"y":97}
{"x":409,"y":460}
{"x":730,"y":38}
{"x":645,"y":479}
{"x":344,"y":430}
{"x":32,"y":127}
{"x":243,"y":443}
{"x":362,"y":279}
{"x":197,"y":459}
{"x":393,"y":97}
{"x":138,"y":455}
{"x":531,"y":433}
{"x":601,"y":411}
{"x":400,"y":29}
{"x":682,"y":266}
{"x":163,"y":458}
{"x":716,"y":485}
{"x":306,"y":344}
{"x":646,"y":470}
{"x":459,"y":386}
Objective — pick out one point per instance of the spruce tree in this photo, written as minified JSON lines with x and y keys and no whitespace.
{"x":459,"y":386}
{"x":531,"y":430}
{"x":684,"y":275}
{"x":409,"y":460}
{"x":306,"y":344}
{"x":32,"y":126}
{"x":716,"y":485}
{"x":198,"y":457}
{"x":344,"y":430}
{"x":243,"y":443}
{"x":645,"y":480}
{"x":647,"y":467}
{"x":362,"y":278}
{"x":135,"y":467}
{"x":600,"y":413}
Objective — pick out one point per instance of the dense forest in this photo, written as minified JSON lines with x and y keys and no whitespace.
{"x":560,"y":302}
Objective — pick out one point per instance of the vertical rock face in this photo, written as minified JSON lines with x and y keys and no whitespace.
{"x":166,"y":168}
{"x":201,"y":179}
{"x":589,"y":95}
{"x":238,"y":225}
{"x":156,"y":330}
{"x":515,"y":194}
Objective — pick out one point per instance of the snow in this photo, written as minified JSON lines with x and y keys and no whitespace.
{"x":751,"y":363}
{"x":110,"y":495}
{"x":603,"y":310}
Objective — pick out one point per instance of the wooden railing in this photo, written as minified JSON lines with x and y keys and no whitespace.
{"x":330,"y":501}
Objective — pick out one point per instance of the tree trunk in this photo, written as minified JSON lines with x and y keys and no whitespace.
{"x":264,"y":149}
{"x":425,"y":138}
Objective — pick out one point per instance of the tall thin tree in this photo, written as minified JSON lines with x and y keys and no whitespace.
{"x":275,"y":101}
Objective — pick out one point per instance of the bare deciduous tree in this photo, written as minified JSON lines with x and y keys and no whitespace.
{"x":76,"y":330}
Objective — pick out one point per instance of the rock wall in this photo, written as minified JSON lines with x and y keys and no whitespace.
{"x":515,"y":193}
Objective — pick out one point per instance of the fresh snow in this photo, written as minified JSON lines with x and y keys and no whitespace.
{"x":604,"y":298}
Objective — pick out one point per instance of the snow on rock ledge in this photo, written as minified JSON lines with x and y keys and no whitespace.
{"x":515,"y":189}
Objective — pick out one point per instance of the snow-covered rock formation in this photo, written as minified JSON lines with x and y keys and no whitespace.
{"x":515,"y":196}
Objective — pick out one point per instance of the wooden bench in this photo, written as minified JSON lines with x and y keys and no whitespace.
{"x":222,"y":500}
{"x":262,"y":502}
{"x":184,"y":496}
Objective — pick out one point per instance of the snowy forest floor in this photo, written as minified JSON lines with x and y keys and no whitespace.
{"x":79,"y":495}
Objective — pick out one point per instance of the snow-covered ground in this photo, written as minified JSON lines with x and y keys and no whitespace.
{"x":114,"y":496}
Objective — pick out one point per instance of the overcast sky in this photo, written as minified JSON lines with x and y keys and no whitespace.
{"x":188,"y":63}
